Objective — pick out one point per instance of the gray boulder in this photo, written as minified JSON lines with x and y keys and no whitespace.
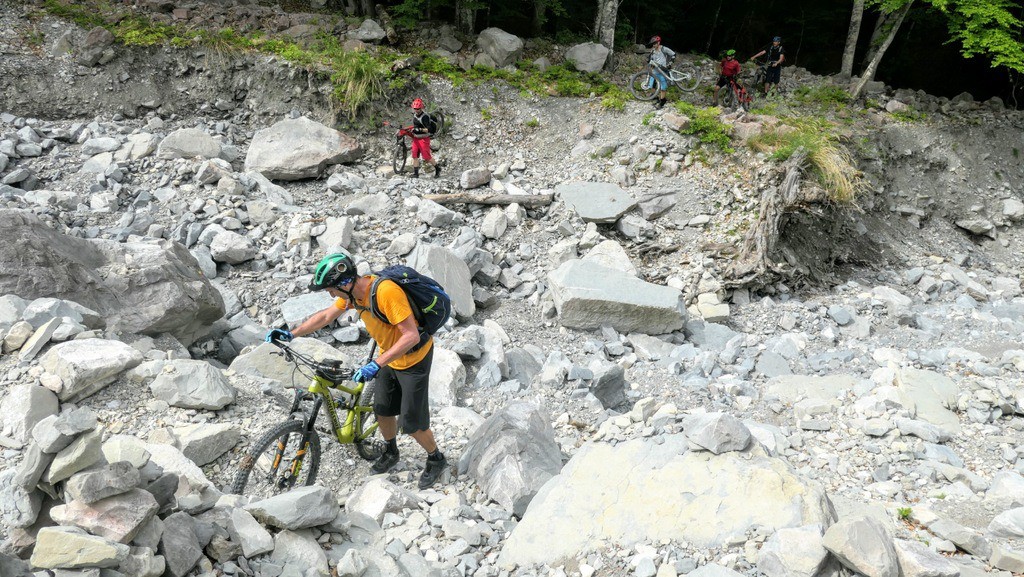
{"x":589,"y":296}
{"x":90,"y":486}
{"x":232,"y":248}
{"x":447,"y":377}
{"x":588,"y":57}
{"x":599,"y":202}
{"x":297,"y":509}
{"x":57,"y":431}
{"x":193,"y":385}
{"x":72,"y":548}
{"x":299,"y":148}
{"x":179,"y":544}
{"x":24,"y":407}
{"x":262,"y":362}
{"x":204,"y":443}
{"x":297,"y":310}
{"x":793,"y":552}
{"x":653,"y":490}
{"x":368,"y":31}
{"x":512,"y":455}
{"x":300,"y":552}
{"x":500,"y":46}
{"x":717,"y":432}
{"x":863,"y":545}
{"x":86,"y":366}
{"x":188,"y":143}
{"x":917,"y":560}
{"x":146,"y":288}
{"x":118,"y":518}
{"x":19,"y":505}
{"x":450,"y":271}
{"x":247,"y":532}
{"x":95,"y":46}
{"x":83,"y":452}
{"x":379,"y":496}
{"x":474,"y":177}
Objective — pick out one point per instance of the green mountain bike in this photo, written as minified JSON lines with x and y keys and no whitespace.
{"x":288,"y":454}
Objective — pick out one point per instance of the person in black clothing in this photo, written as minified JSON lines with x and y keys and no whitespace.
{"x":776,"y":56}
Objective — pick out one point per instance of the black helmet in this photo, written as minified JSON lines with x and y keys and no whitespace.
{"x":654,"y":40}
{"x":332,"y":271}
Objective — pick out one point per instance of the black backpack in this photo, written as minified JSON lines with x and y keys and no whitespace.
{"x":431,"y":125}
{"x":431,"y":306}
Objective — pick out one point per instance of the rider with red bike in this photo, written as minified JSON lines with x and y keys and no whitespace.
{"x":423,"y":127}
{"x":730,"y":70}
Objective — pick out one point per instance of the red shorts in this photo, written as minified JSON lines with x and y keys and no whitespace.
{"x":421,"y":147}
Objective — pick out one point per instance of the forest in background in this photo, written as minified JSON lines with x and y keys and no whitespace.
{"x":923,"y":54}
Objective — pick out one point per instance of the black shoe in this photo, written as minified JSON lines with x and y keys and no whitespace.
{"x":660,"y":104}
{"x":432,"y":471}
{"x":416,"y":172}
{"x":385,"y":462}
{"x":437,"y":170}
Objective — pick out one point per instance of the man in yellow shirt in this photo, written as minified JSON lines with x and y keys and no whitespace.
{"x":402,"y":368}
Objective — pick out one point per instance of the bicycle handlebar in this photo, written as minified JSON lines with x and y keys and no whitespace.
{"x":331,"y":369}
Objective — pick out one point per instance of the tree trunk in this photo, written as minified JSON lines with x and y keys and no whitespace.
{"x":465,"y":16}
{"x":487,"y":198}
{"x":876,"y":35}
{"x":604,"y":24}
{"x":366,"y":8}
{"x":539,"y":15}
{"x":851,"y":38}
{"x":869,"y":72}
{"x":711,"y":29}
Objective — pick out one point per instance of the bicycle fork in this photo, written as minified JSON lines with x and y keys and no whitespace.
{"x":287,"y":481}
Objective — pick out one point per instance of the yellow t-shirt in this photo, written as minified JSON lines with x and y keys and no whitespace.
{"x":395,"y":305}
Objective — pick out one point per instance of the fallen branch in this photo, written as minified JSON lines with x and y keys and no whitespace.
{"x":471,"y":198}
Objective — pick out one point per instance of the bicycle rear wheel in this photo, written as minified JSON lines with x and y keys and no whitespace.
{"x":440,"y":121}
{"x":369,"y":444}
{"x":643,"y":85}
{"x":270,"y":464}
{"x":399,"y":156}
{"x":687,"y":77}
{"x":728,"y":97}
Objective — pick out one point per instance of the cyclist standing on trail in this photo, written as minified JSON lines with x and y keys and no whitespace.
{"x":730,"y":69}
{"x":661,"y":60}
{"x":423,"y":127}
{"x":402,"y":368}
{"x":776,"y":56}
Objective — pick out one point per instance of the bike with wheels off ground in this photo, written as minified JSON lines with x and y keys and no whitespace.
{"x":644,"y":84}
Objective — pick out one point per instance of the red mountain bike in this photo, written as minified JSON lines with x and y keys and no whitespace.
{"x":737,"y":96}
{"x":400,"y":151}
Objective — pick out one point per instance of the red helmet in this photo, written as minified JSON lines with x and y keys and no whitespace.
{"x":417,"y":104}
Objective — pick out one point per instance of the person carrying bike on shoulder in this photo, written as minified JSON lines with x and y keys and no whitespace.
{"x":776,"y":56}
{"x":730,"y":69}
{"x":661,"y":60}
{"x":403,"y":367}
{"x":423,"y":127}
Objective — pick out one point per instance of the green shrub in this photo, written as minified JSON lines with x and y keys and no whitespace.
{"x":705,"y":125}
{"x":532,"y":123}
{"x":822,"y":95}
{"x":909,"y":114}
{"x":357,"y":79}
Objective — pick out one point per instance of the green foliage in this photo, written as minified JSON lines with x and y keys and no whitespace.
{"x":615,"y":99}
{"x":137,"y":31}
{"x":485,"y":114}
{"x":829,"y":161}
{"x":647,"y":119}
{"x":356,"y":78}
{"x":904,"y":513}
{"x":532,"y":123}
{"x":408,"y":13}
{"x":909,"y":114}
{"x":822,"y":95}
{"x":82,"y":15}
{"x":990,"y":28}
{"x":706,"y":126}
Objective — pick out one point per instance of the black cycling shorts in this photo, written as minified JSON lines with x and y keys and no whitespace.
{"x":405,"y":393}
{"x":772,"y":77}
{"x":723,"y":80}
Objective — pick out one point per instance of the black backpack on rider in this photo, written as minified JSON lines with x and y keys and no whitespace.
{"x":431,"y":306}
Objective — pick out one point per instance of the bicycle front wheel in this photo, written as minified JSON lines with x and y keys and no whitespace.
{"x":275,"y":463}
{"x":643,"y":85}
{"x":369,"y":444}
{"x":687,"y":77}
{"x":728,"y":97}
{"x":399,"y":156}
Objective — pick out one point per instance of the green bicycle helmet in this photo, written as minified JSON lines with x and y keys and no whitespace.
{"x":730,"y":52}
{"x":333,"y":270}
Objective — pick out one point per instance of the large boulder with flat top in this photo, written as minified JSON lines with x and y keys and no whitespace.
{"x":299,"y":148}
{"x":588,"y":295}
{"x":138,"y":287}
{"x":500,"y":46}
{"x":588,"y":57}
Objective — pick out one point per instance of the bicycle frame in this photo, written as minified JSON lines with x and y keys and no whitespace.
{"x":345,"y":433}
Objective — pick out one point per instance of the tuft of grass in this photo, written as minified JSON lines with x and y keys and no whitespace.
{"x":823,"y":95}
{"x":532,"y":123}
{"x":830,"y":161}
{"x":904,"y":513}
{"x":646,"y":121}
{"x":357,"y":79}
{"x":485,"y":113}
{"x":706,"y":126}
{"x":81,"y":15}
{"x":909,"y":114}
{"x":615,"y":99}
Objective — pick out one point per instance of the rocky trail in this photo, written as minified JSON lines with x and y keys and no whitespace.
{"x":609,"y":403}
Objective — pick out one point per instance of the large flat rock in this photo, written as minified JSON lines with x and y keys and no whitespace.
{"x":641,"y":492}
{"x":589,"y":296}
{"x":86,"y":366}
{"x":600,"y":202}
{"x":299,"y":148}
